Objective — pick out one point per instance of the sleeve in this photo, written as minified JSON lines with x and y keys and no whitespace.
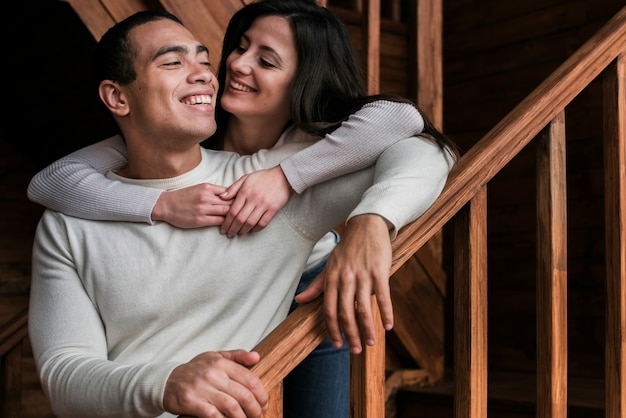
{"x":404,"y":182}
{"x":69,"y":341}
{"x":356,"y":144}
{"x":76,"y":185}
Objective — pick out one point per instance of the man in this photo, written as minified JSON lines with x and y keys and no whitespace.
{"x":134,"y":320}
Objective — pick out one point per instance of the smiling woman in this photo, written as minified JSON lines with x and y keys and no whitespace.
{"x":261,"y":72}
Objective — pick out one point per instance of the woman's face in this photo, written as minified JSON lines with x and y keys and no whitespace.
{"x":260,"y":72}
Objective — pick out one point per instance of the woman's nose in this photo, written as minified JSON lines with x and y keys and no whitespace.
{"x":241,"y":64}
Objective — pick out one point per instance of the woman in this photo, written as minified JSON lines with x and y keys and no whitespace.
{"x":284,"y":64}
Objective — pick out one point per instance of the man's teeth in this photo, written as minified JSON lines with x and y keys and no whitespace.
{"x":202,"y":99}
{"x":240,"y":87}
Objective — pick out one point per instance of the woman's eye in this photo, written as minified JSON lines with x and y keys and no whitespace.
{"x":266,"y":63}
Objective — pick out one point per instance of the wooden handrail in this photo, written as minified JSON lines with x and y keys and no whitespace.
{"x":474,"y":170}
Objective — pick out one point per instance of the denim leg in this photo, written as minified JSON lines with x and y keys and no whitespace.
{"x":319,"y":387}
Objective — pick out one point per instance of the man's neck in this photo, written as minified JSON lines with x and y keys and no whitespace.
{"x":159,"y":163}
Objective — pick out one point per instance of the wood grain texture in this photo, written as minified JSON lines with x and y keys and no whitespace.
{"x":615,"y":214}
{"x":552,"y":271}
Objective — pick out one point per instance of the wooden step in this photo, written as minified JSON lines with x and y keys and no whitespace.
{"x":511,"y":395}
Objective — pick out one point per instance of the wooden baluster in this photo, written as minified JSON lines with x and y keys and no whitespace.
{"x":615,"y":215}
{"x":426,"y":61}
{"x":367,"y":375}
{"x":371,"y":45}
{"x":470,"y":309}
{"x":552,"y":271}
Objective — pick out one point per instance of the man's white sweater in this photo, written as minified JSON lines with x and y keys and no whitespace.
{"x":115,"y":306}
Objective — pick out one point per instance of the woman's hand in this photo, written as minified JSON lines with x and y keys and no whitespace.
{"x":257,"y":198}
{"x":192,"y":207}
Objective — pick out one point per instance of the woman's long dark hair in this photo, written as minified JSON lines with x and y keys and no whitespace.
{"x":328,"y":86}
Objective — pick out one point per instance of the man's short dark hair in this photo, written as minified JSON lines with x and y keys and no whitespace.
{"x":115,"y":53}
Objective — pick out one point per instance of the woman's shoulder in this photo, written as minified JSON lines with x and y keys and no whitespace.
{"x":294,"y":135}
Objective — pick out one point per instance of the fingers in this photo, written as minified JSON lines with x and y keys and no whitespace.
{"x":192,"y":207}
{"x":385,"y":306}
{"x":355,"y":313}
{"x":313,"y":291}
{"x":232,"y":191}
{"x":264,"y":220}
{"x":216,"y":384}
{"x":257,"y":198}
{"x":242,"y":219}
{"x":355,"y":316}
{"x":348,"y":306}
{"x":331,"y":315}
{"x":236,"y":217}
{"x":347,"y":316}
{"x":243,"y":357}
{"x":232,"y":400}
{"x":244,"y":387}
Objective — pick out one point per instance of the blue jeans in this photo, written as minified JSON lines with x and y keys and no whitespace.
{"x":319,"y":387}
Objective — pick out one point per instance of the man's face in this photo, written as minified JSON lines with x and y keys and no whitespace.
{"x":171,"y":99}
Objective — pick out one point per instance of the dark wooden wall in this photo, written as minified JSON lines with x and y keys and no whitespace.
{"x":495,"y":53}
{"x":52,"y":111}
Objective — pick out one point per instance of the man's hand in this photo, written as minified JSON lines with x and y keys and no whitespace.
{"x":357,"y":268}
{"x":192,"y":207}
{"x":216,"y":384}
{"x":258,"y":196}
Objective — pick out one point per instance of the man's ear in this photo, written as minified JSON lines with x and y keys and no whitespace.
{"x":113,"y":97}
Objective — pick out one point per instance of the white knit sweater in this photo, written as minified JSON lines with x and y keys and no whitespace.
{"x":115,"y":306}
